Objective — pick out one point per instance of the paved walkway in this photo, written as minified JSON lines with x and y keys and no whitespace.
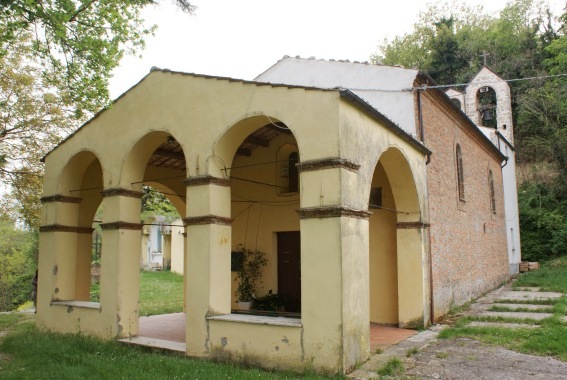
{"x":501,"y":304}
{"x":167,"y":332}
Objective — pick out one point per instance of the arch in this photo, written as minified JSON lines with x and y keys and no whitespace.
{"x":263,"y":202}
{"x":395,"y":243}
{"x":486,"y":104}
{"x":135,"y":165}
{"x":460,"y":172}
{"x":402,"y":180}
{"x":226,"y":147}
{"x":82,"y":178}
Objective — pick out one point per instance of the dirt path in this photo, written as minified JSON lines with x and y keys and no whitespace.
{"x":467,"y":358}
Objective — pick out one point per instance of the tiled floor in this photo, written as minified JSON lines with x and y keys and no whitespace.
{"x":382,"y":336}
{"x":171,"y":327}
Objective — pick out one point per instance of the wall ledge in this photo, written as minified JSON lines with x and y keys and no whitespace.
{"x":78,"y":304}
{"x":257,"y":320}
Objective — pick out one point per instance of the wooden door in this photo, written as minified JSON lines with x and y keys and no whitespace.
{"x":289,"y":270}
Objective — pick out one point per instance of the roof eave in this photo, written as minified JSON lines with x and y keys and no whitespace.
{"x":373,"y":112}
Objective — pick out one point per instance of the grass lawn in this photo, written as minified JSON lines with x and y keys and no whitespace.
{"x":160,"y":293}
{"x":26,"y":353}
{"x":548,"y":340}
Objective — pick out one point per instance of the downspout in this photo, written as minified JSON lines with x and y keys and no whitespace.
{"x":420,"y":123}
{"x":422,"y":138}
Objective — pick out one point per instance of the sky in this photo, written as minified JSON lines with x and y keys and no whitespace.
{"x":243,"y":38}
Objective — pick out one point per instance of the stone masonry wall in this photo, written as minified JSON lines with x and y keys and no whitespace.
{"x":468,"y":241}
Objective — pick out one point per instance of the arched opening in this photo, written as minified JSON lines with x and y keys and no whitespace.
{"x":486,"y":106}
{"x":156,"y":167}
{"x":264,"y":185}
{"x":78,"y":274}
{"x":395,"y":246}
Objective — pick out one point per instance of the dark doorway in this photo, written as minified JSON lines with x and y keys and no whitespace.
{"x":289,"y":270}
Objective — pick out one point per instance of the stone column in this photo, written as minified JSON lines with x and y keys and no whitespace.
{"x":334,"y":267}
{"x":120,"y":264}
{"x":208,"y":280}
{"x":413,"y":274}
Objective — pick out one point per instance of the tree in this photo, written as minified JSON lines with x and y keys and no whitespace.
{"x":56,"y":59}
{"x":78,"y":42}
{"x":33,"y":118}
{"x":156,"y":203}
{"x":18,"y":254}
{"x":523,"y":41}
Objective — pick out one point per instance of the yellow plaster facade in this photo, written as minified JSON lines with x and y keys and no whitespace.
{"x":356,"y":265}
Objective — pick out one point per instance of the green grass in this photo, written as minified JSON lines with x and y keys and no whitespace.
{"x":26,"y":353}
{"x":521,"y":309}
{"x":412,"y":351}
{"x":394,"y":367}
{"x":551,"y":277}
{"x":550,"y":339}
{"x":160,"y":293}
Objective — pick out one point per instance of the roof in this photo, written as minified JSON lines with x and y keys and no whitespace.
{"x":170,"y":154}
{"x":389,"y":90}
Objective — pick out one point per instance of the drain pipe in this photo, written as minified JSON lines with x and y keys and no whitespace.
{"x":422,"y":138}
{"x":420,"y":123}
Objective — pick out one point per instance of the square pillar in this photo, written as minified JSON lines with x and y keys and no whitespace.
{"x":335,"y":287}
{"x":120,"y":263}
{"x":413,"y":274}
{"x":207,"y":267}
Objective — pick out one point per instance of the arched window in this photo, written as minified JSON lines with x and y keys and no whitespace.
{"x":491,"y":189}
{"x":487,"y":104}
{"x":293,"y":173}
{"x":460,"y":173}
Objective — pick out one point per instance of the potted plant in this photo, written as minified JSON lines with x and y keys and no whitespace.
{"x":249,"y":276}
{"x":269,"y":302}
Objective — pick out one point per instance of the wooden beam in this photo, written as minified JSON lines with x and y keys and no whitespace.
{"x":244,"y":152}
{"x":257,"y":141}
{"x":280,"y":127}
{"x":169,"y":154}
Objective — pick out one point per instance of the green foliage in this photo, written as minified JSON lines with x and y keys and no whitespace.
{"x":524,"y":40}
{"x":56,"y":58}
{"x":543,"y":222}
{"x":18,"y":255}
{"x":269,"y":302}
{"x":250,"y":275}
{"x":156,"y":203}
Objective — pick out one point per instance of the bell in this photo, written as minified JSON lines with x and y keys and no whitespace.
{"x":487,"y":115}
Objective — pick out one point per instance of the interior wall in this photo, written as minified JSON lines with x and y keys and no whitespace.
{"x":261,"y":210}
{"x":383,"y":255}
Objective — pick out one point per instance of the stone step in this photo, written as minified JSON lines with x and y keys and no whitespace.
{"x":512,"y":314}
{"x":528,"y":289}
{"x":528,"y":296}
{"x":502,"y":325}
{"x":512,"y":306}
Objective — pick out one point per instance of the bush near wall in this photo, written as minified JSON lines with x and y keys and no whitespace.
{"x":543,"y":221}
{"x":18,"y":250}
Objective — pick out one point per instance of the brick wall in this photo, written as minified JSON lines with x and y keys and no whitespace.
{"x":468,"y":241}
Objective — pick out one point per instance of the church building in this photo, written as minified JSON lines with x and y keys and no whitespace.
{"x":373,"y":196}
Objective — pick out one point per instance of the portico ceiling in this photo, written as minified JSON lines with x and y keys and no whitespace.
{"x":170,"y":154}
